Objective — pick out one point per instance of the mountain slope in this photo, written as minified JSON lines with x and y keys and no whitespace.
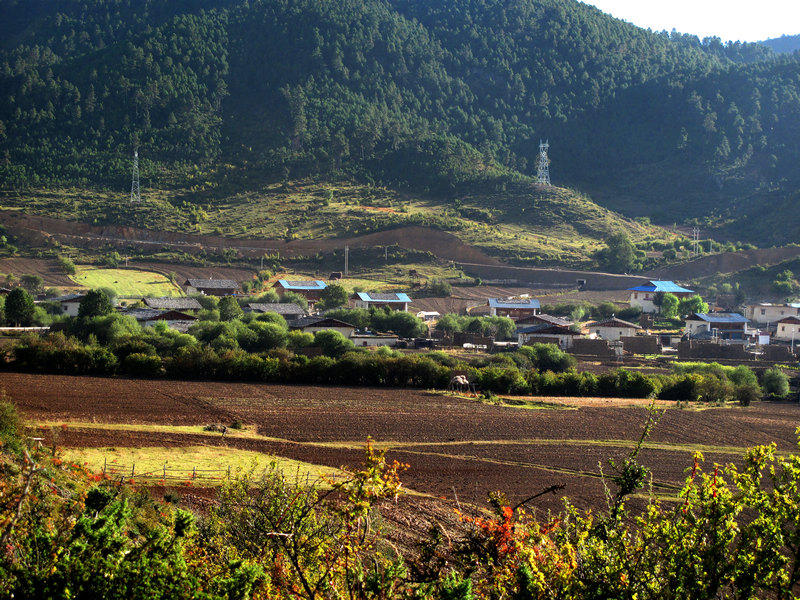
{"x":434,"y":98}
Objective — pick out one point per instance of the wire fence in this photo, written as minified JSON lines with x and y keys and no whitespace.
{"x":165,"y":473}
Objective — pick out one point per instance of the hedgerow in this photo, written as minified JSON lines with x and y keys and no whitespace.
{"x":256,"y":351}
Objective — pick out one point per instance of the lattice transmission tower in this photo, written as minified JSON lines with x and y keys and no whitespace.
{"x":135,"y":194}
{"x":543,"y":168}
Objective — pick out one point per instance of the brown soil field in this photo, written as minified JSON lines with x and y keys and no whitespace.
{"x":456,"y":447}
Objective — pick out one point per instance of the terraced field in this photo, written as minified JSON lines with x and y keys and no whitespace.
{"x":456,"y":447}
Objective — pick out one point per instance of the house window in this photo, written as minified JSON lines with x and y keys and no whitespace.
{"x":783,"y":327}
{"x":763,"y":311}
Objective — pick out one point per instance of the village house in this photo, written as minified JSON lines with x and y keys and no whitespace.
{"x":288,"y":310}
{"x":70,"y":303}
{"x":515,"y":308}
{"x":643,"y":296}
{"x":429,"y":315}
{"x":788,"y":330}
{"x":613,"y":329}
{"x":311,"y":289}
{"x":394,"y":301}
{"x":172,"y":303}
{"x":719,"y":326}
{"x":541,"y":319}
{"x":314,"y":324}
{"x":546,"y":333}
{"x":211,"y":287}
{"x":175,"y":319}
{"x":374,"y":339}
{"x":765,"y":313}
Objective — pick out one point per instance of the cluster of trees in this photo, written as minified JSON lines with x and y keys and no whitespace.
{"x":384,"y":90}
{"x":70,"y":533}
{"x":261,"y":348}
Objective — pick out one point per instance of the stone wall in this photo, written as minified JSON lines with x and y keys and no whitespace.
{"x":693,"y":349}
{"x":641,"y":344}
{"x":587,"y":347}
{"x":778,"y":354}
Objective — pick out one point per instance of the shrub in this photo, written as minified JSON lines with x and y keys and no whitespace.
{"x":775,"y":383}
{"x":139,"y":364}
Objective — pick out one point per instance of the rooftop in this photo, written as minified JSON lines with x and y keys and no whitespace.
{"x":615,"y":322}
{"x":514,"y":303}
{"x":281,"y":308}
{"x":668,"y":287}
{"x":173,"y":303}
{"x":212,"y":284}
{"x":310,"y":284}
{"x":718,"y":318}
{"x":386,"y":297}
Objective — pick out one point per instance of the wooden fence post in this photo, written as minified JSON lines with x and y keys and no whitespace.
{"x":133,"y":469}
{"x":104,"y":465}
{"x":194,"y":472}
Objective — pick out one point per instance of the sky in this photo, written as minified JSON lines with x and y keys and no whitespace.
{"x":730,"y":20}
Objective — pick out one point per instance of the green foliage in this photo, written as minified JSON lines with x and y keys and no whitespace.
{"x":775,"y":383}
{"x":548,"y":357}
{"x":691,"y":305}
{"x":669,"y":306}
{"x":619,"y":256}
{"x":332,"y":343}
{"x":19,"y":307}
{"x":95,"y":304}
{"x":66,"y":265}
{"x":32,"y":283}
{"x":333,"y":296}
{"x":229,"y":309}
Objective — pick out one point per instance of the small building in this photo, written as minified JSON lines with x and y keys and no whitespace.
{"x":70,"y":303}
{"x":541,"y":319}
{"x":546,"y":333}
{"x":374,"y":339}
{"x":212,"y":287}
{"x":314,"y":324}
{"x":788,"y":330}
{"x":288,"y":310}
{"x":721,"y":326}
{"x":515,"y":308}
{"x":175,"y":319}
{"x":173,"y":303}
{"x":428,"y":315}
{"x":613,"y":329}
{"x":311,"y":289}
{"x":393,"y":300}
{"x":766,"y":313}
{"x":643,"y":296}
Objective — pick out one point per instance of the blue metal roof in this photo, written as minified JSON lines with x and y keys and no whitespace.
{"x":521,"y":303}
{"x":661,"y":286}
{"x":393,"y":297}
{"x":718,"y":318}
{"x":315,"y":284}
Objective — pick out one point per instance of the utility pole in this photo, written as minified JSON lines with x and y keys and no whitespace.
{"x":346,"y":260}
{"x":696,"y":240}
{"x":543,"y":167}
{"x":135,"y":194}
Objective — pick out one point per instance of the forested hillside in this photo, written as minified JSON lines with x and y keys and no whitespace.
{"x":435,"y":98}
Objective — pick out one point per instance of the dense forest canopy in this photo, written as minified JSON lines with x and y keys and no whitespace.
{"x":457,"y":93}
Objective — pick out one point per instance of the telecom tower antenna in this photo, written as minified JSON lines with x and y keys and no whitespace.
{"x":696,"y":240}
{"x":543,"y":168}
{"x":135,"y":194}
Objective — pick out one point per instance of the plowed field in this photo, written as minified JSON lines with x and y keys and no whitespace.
{"x":455,"y":447}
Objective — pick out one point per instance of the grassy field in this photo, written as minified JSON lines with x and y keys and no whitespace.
{"x":526,"y":223}
{"x":203,"y":465}
{"x":127,"y":282}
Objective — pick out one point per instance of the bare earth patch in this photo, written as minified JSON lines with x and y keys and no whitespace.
{"x":455,"y":447}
